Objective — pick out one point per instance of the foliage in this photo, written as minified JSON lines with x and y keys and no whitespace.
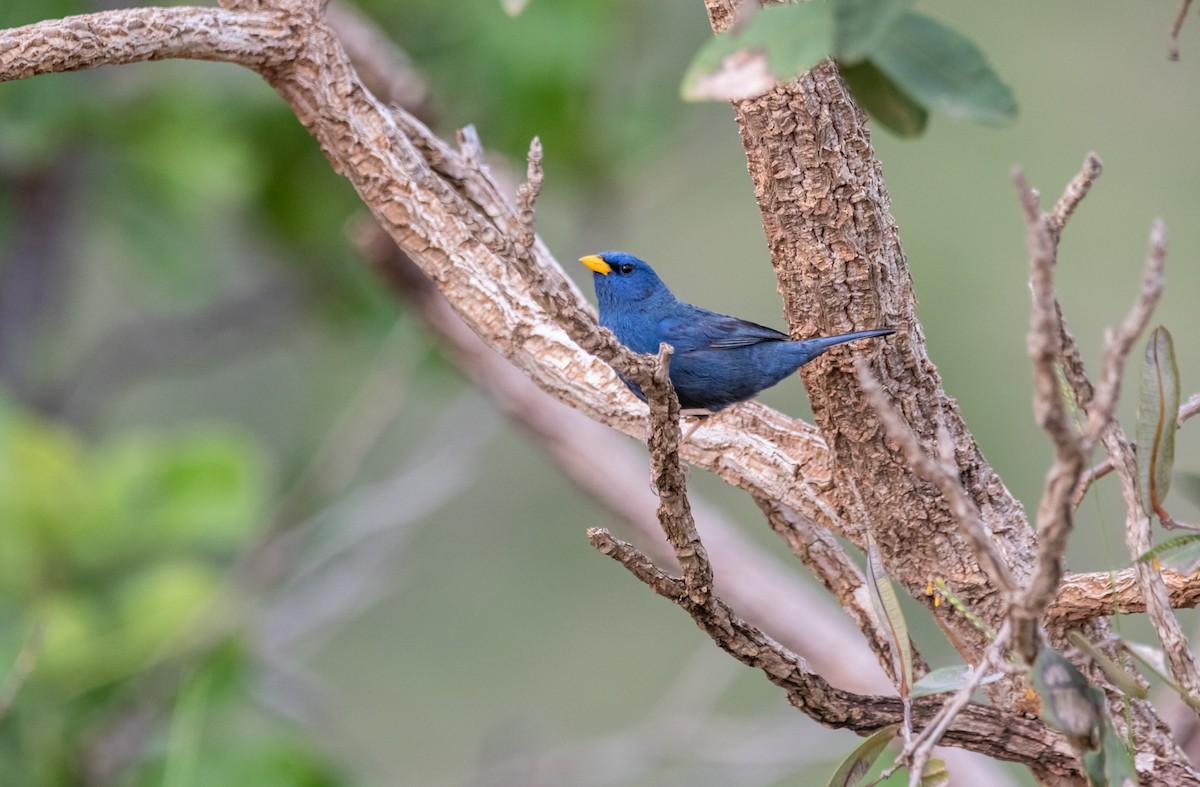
{"x":901,"y":64}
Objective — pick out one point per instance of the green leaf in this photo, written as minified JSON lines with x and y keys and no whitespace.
{"x":887,"y":609}
{"x":859,"y":761}
{"x":1119,"y":770}
{"x":934,"y":774}
{"x":944,"y":71}
{"x":859,"y":26}
{"x":875,"y":92}
{"x":779,"y":43}
{"x":1115,"y":672}
{"x":1181,"y":553}
{"x":1154,"y":660}
{"x":183,"y":741}
{"x":1157,"y":413}
{"x":1069,"y":704}
{"x":944,"y":679}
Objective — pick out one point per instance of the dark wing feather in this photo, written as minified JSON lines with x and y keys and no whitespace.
{"x":705,"y":330}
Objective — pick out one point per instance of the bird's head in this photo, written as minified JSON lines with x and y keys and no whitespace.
{"x":622,"y":278}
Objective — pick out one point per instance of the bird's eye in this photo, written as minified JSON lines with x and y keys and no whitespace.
{"x":626,"y":268}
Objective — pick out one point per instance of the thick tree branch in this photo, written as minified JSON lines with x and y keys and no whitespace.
{"x":1083,"y":597}
{"x":255,"y":39}
{"x":839,"y":266}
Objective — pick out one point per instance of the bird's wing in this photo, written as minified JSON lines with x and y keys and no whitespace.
{"x":705,"y":330}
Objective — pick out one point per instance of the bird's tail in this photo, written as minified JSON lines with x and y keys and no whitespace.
{"x":818,"y":346}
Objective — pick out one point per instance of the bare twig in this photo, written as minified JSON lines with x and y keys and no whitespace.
{"x":917,"y":751}
{"x":1118,"y":342}
{"x":674,"y":510}
{"x":528,"y":193}
{"x":1176,"y":27}
{"x":964,"y":509}
{"x":1049,"y":343}
{"x":1073,"y":194}
{"x":1054,"y":513}
{"x":833,"y":568}
{"x":994,"y":731}
{"x":1150,"y":581}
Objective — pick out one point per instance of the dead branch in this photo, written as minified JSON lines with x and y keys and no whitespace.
{"x":1001,"y":734}
{"x":1176,"y":28}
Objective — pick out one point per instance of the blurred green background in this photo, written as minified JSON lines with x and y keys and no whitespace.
{"x":203,"y":387}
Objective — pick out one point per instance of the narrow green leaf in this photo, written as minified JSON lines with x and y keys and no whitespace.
{"x":935,"y":774}
{"x":944,"y":71}
{"x":887,"y":608}
{"x":859,"y":26}
{"x":894,"y":109}
{"x":1119,"y":770}
{"x":1115,"y":672}
{"x":183,"y":742}
{"x":859,"y":761}
{"x":944,"y":679}
{"x":1069,"y":704}
{"x":779,"y":43}
{"x":1181,"y":553}
{"x":1157,"y":415}
{"x":1154,"y":660}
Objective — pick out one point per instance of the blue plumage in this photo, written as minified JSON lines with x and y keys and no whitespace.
{"x":719,"y":360}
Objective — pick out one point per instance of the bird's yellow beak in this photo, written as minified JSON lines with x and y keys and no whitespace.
{"x":597,"y":264}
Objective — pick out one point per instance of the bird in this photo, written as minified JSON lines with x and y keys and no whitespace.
{"x":719,"y":360}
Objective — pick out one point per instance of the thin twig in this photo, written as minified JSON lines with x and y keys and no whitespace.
{"x":1150,"y":581}
{"x":527,"y":195}
{"x":817,"y":549}
{"x":1176,"y":27}
{"x":1073,"y":194}
{"x":991,"y":730}
{"x":922,"y":745}
{"x":917,"y":751}
{"x":1054,"y":513}
{"x":965,"y":512}
{"x":666,"y":469}
{"x":1119,"y":341}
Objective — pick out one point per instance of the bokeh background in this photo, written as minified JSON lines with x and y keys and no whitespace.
{"x":194,"y":358}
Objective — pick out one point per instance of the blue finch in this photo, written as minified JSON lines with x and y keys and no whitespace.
{"x":719,"y":360}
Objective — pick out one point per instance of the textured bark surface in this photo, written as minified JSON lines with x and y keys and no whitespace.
{"x":839,"y":267}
